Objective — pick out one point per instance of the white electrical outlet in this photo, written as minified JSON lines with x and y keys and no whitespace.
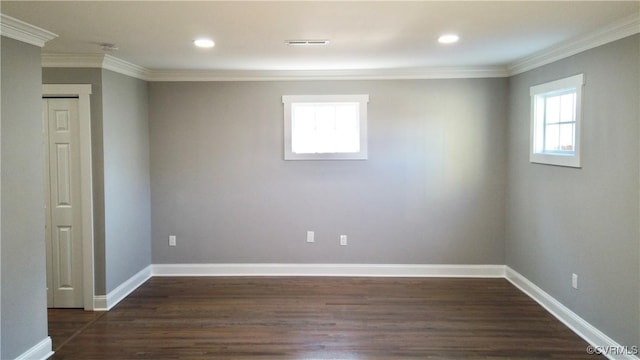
{"x":310,"y":237}
{"x":172,"y":240}
{"x":574,"y":280}
{"x":343,"y":240}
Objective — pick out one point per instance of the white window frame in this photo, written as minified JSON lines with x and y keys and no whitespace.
{"x":289,"y":100}
{"x":537,"y":154}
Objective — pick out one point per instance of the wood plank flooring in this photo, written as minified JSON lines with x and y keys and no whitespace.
{"x":64,"y":324}
{"x":323,"y":318}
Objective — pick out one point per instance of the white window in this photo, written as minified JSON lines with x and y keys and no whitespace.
{"x":555,"y":122}
{"x":325,"y":127}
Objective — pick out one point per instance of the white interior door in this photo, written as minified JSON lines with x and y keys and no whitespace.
{"x":63,"y":211}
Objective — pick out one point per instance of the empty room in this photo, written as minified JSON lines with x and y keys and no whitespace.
{"x":320,"y":180}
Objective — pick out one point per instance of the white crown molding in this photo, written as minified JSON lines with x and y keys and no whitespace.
{"x":21,"y":31}
{"x":355,"y":74}
{"x":72,"y":60}
{"x":100,"y":61}
{"x":124,"y":67}
{"x":620,"y":29}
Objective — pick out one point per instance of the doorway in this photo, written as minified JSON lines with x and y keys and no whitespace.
{"x":70,"y":259}
{"x":63,"y":213}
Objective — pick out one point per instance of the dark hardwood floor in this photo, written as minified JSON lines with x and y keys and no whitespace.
{"x":321,"y":318}
{"x":64,"y":324}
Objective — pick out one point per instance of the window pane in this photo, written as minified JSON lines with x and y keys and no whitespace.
{"x":302,"y":111}
{"x":347,"y":117}
{"x":325,"y":128}
{"x":559,"y":128}
{"x":567,"y":107}
{"x":552,"y":137}
{"x":302,"y":128}
{"x":325,"y":118}
{"x":567,"y":137}
{"x":347,"y":129}
{"x":552,"y":110}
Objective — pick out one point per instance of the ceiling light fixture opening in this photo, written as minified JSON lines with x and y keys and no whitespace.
{"x":448,"y":39}
{"x":204,"y":43}
{"x":306,"y":42}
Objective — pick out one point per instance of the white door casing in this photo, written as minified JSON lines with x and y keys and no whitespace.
{"x":82,"y":93}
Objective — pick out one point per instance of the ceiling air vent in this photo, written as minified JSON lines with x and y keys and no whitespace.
{"x":306,"y":42}
{"x":108,"y":47}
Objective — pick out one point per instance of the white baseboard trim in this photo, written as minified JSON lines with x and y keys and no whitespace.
{"x":41,"y":351}
{"x":106,"y":303}
{"x":574,"y":322}
{"x":378,"y":270}
{"x":100,"y":303}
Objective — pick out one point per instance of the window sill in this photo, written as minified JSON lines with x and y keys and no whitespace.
{"x":555,"y":159}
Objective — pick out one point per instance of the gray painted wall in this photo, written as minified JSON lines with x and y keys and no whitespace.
{"x":24,"y":298}
{"x":585,"y":221}
{"x":120,"y":157}
{"x":93,"y":77}
{"x":126,"y":177}
{"x":431,"y":192}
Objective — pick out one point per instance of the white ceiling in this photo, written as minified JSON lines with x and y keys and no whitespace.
{"x":364,"y":35}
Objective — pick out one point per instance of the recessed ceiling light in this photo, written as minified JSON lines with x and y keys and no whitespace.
{"x":204,"y":43}
{"x":448,"y":39}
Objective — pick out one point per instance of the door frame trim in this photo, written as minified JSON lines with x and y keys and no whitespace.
{"x":82,"y":91}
